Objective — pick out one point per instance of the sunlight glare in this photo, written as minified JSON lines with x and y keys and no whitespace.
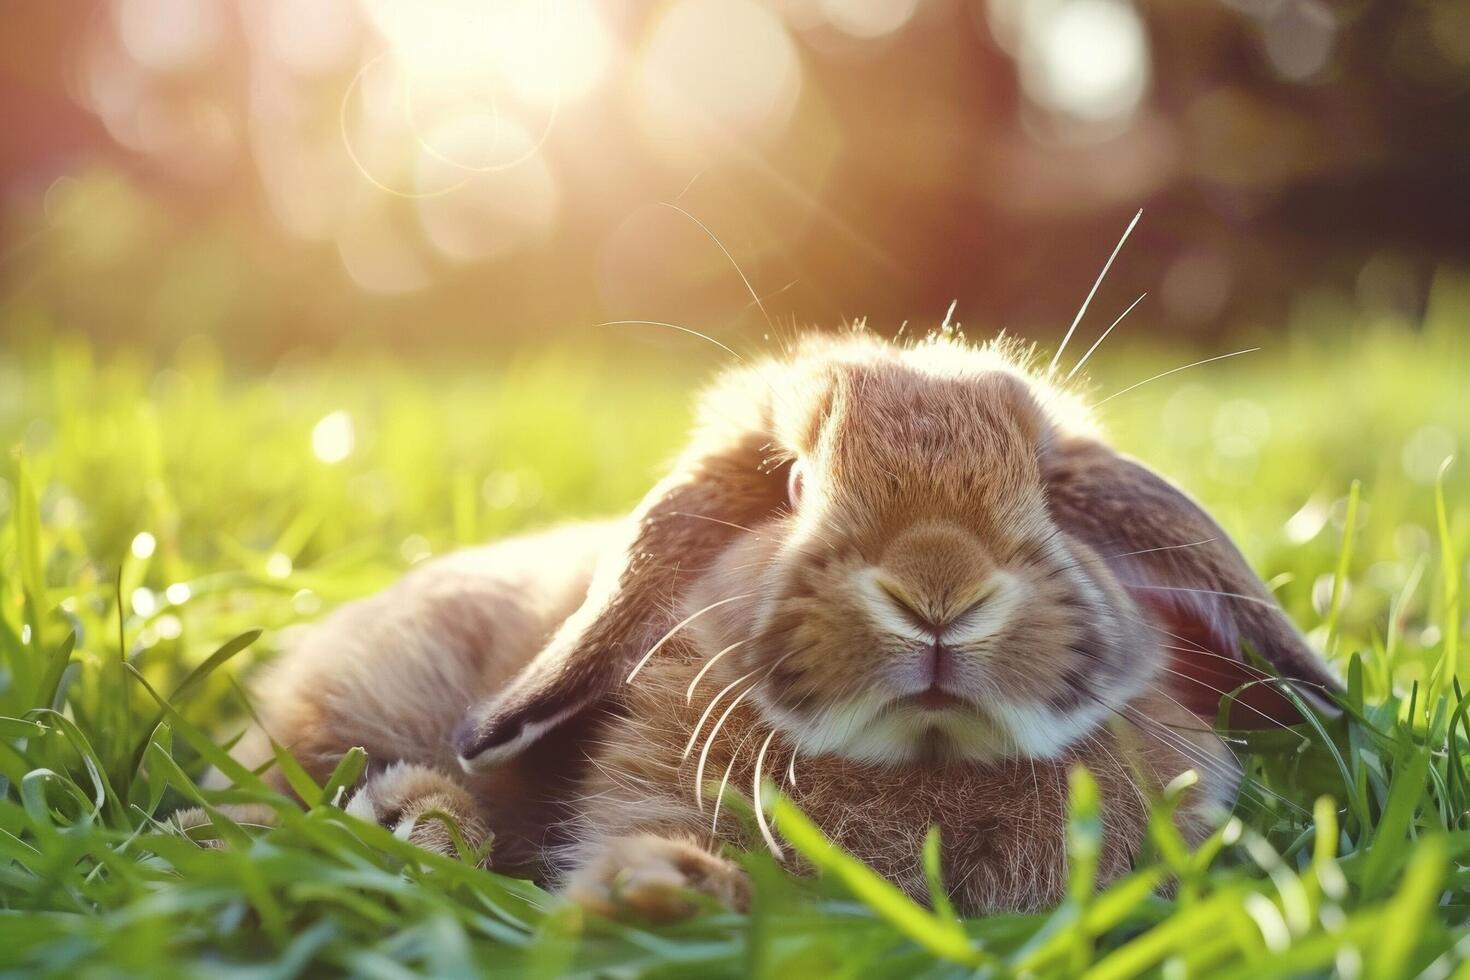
{"x":1087,"y":59}
{"x":723,"y":65}
{"x":552,"y":52}
{"x":868,"y":18}
{"x":333,"y":437}
{"x":311,"y":37}
{"x":546,"y":51}
{"x":144,"y":545}
{"x":169,"y":35}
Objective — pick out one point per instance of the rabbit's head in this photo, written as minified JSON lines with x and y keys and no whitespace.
{"x":914,"y":552}
{"x":911,"y":593}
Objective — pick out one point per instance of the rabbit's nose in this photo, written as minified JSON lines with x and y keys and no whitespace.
{"x":933,"y":617}
{"x":910,"y":607}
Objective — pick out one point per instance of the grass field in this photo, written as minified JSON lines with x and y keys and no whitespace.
{"x":163,"y":525}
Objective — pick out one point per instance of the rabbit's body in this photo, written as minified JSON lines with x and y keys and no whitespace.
{"x":912,"y":578}
{"x":453,"y":631}
{"x":394,"y":672}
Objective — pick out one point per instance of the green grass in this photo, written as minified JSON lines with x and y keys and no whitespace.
{"x":191,"y":498}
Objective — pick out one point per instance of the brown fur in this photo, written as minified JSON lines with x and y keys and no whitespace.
{"x":966,"y":595}
{"x":393,"y":673}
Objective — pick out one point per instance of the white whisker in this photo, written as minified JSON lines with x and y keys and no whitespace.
{"x":709,"y":708}
{"x":709,"y":742}
{"x":714,"y":824}
{"x":719,"y":723}
{"x":671,"y":326}
{"x":1051,"y":369}
{"x":1165,"y":374}
{"x":1098,"y":342}
{"x":738,"y":271}
{"x":712,"y":520}
{"x":1240,"y":689}
{"x":689,"y":694}
{"x":1165,"y":547}
{"x":677,"y":627}
{"x":1179,"y":588}
{"x":760,"y":813}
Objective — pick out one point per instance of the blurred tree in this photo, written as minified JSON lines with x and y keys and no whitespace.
{"x":434,"y":175}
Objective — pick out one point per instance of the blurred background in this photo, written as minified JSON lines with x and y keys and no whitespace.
{"x":456,"y":177}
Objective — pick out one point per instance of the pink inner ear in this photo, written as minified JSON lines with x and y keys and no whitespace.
{"x":1205,"y":665}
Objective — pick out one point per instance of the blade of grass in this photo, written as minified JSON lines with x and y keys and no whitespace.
{"x":191,"y":683}
{"x":32,"y":571}
{"x":1404,"y":916}
{"x":1449,"y":660}
{"x":942,"y":938}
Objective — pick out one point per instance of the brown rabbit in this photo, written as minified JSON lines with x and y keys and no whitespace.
{"x":907,"y":582}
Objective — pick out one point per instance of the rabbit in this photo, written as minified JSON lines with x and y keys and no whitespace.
{"x":910,"y":583}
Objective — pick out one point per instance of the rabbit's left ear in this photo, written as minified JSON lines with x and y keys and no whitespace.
{"x":716,"y":490}
{"x":1190,"y":582}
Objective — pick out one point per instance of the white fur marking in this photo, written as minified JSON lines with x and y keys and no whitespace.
{"x":499,"y":753}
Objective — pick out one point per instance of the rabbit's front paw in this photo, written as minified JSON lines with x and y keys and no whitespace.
{"x":655,"y":878}
{"x":406,"y":792}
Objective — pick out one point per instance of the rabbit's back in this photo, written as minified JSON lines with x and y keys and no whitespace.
{"x":394,"y":672}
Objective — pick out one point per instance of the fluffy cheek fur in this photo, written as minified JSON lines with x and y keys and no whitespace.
{"x":1054,"y":653}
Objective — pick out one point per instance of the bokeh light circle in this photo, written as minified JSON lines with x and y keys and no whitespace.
{"x":718,"y":68}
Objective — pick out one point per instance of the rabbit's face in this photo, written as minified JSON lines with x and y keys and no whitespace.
{"x":914,"y":553}
{"x":915,"y":600}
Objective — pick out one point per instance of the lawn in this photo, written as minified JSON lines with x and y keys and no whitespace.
{"x":165,"y":525}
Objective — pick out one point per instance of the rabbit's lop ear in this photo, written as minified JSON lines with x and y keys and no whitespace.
{"x":1190,"y":582}
{"x":716,"y":489}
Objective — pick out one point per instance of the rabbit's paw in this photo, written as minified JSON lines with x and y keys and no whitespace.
{"x":405,"y":792}
{"x":656,"y":878}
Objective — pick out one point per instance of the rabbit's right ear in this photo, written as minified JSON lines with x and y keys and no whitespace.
{"x":718,"y":488}
{"x":1190,"y":582}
